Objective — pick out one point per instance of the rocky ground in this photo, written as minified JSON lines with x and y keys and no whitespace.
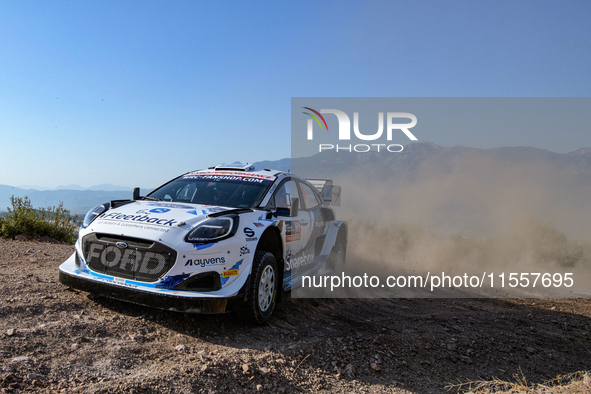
{"x":54,"y":339}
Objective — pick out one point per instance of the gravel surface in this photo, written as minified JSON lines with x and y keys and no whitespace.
{"x":54,"y":339}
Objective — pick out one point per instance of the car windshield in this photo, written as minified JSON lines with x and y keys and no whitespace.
{"x":236,"y":191}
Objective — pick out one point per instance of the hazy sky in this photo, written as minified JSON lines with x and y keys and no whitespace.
{"x":136,"y":92}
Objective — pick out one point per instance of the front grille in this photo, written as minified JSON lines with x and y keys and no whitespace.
{"x":126,"y":257}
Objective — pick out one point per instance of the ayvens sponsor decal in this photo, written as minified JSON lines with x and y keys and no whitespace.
{"x":206,"y":261}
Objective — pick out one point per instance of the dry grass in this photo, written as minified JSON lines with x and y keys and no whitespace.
{"x":577,"y":382}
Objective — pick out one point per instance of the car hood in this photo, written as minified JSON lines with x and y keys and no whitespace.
{"x":153,"y":219}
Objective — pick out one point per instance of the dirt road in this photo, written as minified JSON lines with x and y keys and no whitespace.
{"x":55,"y":339}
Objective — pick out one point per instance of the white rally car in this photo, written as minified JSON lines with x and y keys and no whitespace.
{"x":227,"y":238}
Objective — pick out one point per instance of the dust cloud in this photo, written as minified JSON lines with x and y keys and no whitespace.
{"x":479,"y":216}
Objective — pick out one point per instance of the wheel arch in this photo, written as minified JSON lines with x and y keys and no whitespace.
{"x":270,"y":241}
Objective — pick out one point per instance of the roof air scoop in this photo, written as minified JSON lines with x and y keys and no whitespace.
{"x":236,"y":166}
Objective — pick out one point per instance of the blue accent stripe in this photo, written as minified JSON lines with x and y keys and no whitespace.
{"x":235,"y":266}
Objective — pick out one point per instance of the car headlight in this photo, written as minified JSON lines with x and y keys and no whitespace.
{"x":93,"y":213}
{"x":213,"y":230}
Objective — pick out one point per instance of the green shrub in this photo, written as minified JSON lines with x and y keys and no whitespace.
{"x":54,"y":222}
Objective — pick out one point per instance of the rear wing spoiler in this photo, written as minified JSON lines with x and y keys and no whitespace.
{"x":330,"y":194}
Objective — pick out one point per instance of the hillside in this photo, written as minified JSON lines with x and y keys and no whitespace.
{"x":55,"y":339}
{"x":77,"y":201}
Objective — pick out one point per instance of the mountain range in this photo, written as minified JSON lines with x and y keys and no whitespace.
{"x":428,"y":159}
{"x":102,"y":187}
{"x":419,"y":163}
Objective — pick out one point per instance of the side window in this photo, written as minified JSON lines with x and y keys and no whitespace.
{"x":285,"y":194}
{"x":309,"y":198}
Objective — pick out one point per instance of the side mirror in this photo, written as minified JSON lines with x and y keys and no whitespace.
{"x":282,"y":212}
{"x":295,"y":207}
{"x":136,"y":194}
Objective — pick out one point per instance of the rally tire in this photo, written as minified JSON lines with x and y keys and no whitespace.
{"x":262,"y":293}
{"x":336,"y":260}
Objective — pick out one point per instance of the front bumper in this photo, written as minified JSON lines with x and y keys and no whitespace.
{"x":168,"y":302}
{"x":178,"y":301}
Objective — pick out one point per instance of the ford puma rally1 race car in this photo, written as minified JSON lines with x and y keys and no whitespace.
{"x":227,"y":238}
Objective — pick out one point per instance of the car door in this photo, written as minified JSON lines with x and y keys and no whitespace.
{"x":295,"y":229}
{"x":311,"y":222}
